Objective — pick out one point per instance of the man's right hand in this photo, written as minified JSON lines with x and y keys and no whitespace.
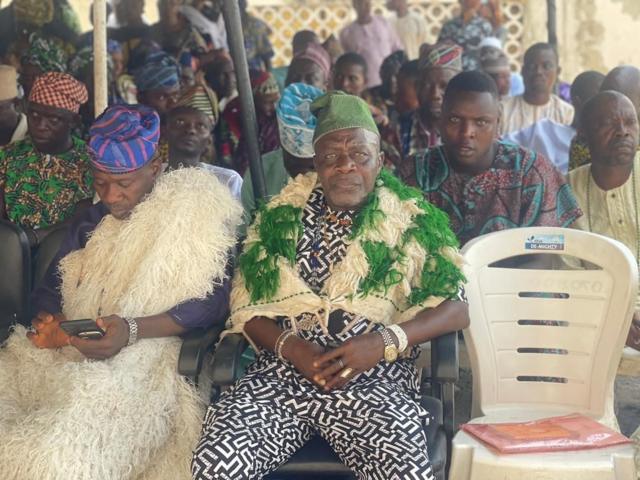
{"x":48,"y":333}
{"x":302,"y":354}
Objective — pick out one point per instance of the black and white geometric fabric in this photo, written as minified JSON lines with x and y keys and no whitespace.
{"x":322,"y":243}
{"x":375,"y":423}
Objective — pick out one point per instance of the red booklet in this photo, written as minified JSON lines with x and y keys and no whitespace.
{"x":555,"y":434}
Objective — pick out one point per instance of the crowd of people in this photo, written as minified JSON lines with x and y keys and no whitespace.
{"x":382,"y":153}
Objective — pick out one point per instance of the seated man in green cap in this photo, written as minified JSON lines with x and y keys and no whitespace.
{"x":334,"y":292}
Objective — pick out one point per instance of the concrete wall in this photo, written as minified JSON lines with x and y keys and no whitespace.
{"x":593,"y":34}
{"x":82,"y":8}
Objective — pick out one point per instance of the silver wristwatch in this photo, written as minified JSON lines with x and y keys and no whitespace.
{"x":133,"y":330}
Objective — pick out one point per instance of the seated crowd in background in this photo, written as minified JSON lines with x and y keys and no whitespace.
{"x":156,"y":191}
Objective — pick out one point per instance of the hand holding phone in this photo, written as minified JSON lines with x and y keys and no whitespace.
{"x":85,"y":328}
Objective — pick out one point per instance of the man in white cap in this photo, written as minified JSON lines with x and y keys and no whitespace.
{"x":13,"y":124}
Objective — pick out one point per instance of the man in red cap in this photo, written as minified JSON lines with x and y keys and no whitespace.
{"x":46,"y":176}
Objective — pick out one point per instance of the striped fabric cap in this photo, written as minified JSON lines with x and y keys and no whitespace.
{"x":203,"y":99}
{"x":124,"y":138}
{"x":59,"y":90}
{"x":444,"y":55}
{"x":159,"y":70}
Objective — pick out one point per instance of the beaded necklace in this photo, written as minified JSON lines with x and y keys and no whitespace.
{"x":635,"y":200}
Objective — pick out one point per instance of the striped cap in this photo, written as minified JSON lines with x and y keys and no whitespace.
{"x":59,"y":90}
{"x":444,"y":55}
{"x":203,"y":99}
{"x":124,"y":138}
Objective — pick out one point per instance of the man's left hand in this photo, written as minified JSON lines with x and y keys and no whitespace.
{"x":115,"y":338}
{"x":358,"y":354}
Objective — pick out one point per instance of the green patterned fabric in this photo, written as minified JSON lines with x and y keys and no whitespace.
{"x":279,"y":229}
{"x":339,"y":111}
{"x":42,"y":190}
{"x":47,"y":54}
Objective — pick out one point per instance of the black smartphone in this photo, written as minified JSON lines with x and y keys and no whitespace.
{"x":85,"y":328}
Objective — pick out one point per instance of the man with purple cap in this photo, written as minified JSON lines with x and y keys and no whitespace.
{"x":45,"y":178}
{"x":147,"y":263}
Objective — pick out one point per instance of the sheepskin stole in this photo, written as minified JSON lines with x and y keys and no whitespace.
{"x":132,"y":416}
{"x":174,"y":247}
{"x":401,"y":259}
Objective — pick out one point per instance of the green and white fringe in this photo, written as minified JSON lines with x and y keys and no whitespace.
{"x":402,"y":258}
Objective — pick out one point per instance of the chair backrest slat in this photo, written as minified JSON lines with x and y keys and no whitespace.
{"x":552,"y":335}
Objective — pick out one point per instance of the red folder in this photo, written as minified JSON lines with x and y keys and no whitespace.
{"x":555,"y":434}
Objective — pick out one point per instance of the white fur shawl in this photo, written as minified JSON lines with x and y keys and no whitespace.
{"x":132,"y":416}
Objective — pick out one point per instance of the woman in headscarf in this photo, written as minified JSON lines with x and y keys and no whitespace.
{"x":43,"y":55}
{"x":265,"y":96}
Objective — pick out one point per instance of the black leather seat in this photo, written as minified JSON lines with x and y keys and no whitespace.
{"x":15,"y":277}
{"x":316,"y":459}
{"x":45,"y":253}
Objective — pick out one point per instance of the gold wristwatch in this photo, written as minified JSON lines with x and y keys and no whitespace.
{"x":390,"y":348}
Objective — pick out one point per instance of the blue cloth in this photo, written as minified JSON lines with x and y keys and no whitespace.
{"x":124,"y":138}
{"x":209,"y":311}
{"x":551,"y":139}
{"x":296,"y":123}
{"x":517,"y":85}
{"x":158,"y":70}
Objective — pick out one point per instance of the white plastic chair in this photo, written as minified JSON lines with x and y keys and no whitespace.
{"x":592,"y":310}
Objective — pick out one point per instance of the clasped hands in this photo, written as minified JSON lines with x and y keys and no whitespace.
{"x":48,"y":334}
{"x":333,"y":369}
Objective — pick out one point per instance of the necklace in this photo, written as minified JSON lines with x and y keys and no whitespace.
{"x":635,"y":201}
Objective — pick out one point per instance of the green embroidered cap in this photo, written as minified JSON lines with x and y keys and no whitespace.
{"x":339,"y":111}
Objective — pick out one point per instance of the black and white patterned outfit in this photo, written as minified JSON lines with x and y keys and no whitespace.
{"x":375,"y":423}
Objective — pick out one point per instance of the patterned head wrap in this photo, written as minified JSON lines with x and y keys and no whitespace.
{"x":33,"y":12}
{"x":8,"y":83}
{"x":45,"y":54}
{"x":444,"y":55}
{"x":203,"y":99}
{"x":124,"y":138}
{"x":338,"y":111}
{"x":318,"y":55}
{"x":59,"y":90}
{"x":159,"y":70}
{"x":493,"y":60}
{"x":263,"y":83}
{"x":296,"y":123}
{"x":83,"y":59}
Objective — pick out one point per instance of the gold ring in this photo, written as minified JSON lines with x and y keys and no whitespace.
{"x":346,"y":373}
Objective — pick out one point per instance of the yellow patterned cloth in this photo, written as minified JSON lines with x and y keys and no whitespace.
{"x":611,"y":213}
